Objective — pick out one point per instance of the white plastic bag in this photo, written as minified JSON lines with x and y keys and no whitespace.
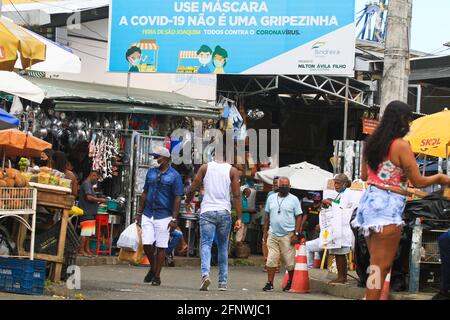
{"x":129,"y":238}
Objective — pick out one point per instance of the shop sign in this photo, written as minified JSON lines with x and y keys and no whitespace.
{"x":369,"y":125}
{"x":235,"y":37}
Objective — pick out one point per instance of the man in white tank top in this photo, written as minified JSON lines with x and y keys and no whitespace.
{"x":219,"y":180}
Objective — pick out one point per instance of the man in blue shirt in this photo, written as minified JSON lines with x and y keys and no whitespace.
{"x":158,"y":211}
{"x":263,"y":221}
{"x":282,"y":229}
{"x":444,"y":249}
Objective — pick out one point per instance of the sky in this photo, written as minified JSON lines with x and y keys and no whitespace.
{"x":430,"y":25}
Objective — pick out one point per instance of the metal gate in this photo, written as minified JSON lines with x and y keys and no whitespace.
{"x":348,"y":158}
{"x":140,"y":162}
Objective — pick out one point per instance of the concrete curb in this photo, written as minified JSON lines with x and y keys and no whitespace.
{"x":252,"y":261}
{"x":319,"y":283}
{"x":96,"y":261}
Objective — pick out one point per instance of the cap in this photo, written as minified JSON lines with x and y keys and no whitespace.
{"x":160,"y":151}
{"x":316,"y":195}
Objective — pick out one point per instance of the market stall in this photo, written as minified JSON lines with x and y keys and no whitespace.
{"x":57,"y":198}
{"x":148,"y":46}
{"x":22,"y":191}
{"x":184,"y":58}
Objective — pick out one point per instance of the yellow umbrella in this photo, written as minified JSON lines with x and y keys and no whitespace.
{"x":430,"y":135}
{"x":14,"y":39}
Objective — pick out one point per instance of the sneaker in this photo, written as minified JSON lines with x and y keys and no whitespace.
{"x":205,"y":283}
{"x":288,"y":286}
{"x":223,"y":287}
{"x":169,"y":260}
{"x":156,"y":281}
{"x":149,"y":277}
{"x":268,"y":287}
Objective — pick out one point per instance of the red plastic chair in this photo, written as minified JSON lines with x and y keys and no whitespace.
{"x":101,"y":221}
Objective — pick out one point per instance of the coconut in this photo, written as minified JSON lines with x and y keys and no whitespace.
{"x":10,"y":182}
{"x":20,"y":181}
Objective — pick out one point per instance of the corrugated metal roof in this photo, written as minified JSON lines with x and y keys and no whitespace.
{"x":83,"y":96}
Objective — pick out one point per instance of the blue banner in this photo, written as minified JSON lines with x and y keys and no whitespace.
{"x":236,"y":37}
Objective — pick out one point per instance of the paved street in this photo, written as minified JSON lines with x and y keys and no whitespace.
{"x":124,"y":282}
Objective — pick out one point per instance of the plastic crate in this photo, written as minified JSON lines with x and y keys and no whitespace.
{"x":22,"y":276}
{"x":17,"y":199}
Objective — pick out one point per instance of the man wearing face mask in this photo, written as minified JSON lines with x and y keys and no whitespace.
{"x":89,"y":203}
{"x":282,"y":229}
{"x":158,"y":211}
{"x":204,"y":57}
{"x":133,"y":56}
{"x":344,"y":199}
{"x":263,"y":221}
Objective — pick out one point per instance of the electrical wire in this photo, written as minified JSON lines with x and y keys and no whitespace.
{"x":81,"y":43}
{"x":23,"y":19}
{"x":89,"y":54}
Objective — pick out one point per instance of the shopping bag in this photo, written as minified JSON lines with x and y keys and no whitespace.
{"x":129,"y":238}
{"x":132,"y":257}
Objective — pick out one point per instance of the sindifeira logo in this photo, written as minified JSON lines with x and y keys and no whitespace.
{"x":318,"y":45}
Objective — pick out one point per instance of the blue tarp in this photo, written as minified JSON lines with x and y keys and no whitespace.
{"x":432,"y":166}
{"x":7,"y":121}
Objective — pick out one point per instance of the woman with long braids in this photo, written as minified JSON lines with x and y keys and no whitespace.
{"x":388,"y":164}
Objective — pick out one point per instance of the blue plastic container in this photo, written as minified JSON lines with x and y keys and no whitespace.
{"x":22,"y":276}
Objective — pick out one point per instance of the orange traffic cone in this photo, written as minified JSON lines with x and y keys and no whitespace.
{"x":317,"y":260}
{"x":285,"y":279}
{"x":386,"y":286}
{"x":145,"y":262}
{"x":300,"y":281}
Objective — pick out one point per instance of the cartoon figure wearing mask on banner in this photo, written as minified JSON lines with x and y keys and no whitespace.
{"x":133,"y":56}
{"x":220,"y":57}
{"x":204,"y":57}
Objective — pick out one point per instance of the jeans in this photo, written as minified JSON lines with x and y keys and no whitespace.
{"x":444,"y":249}
{"x":379,"y":208}
{"x":175,"y":238}
{"x":214,"y":223}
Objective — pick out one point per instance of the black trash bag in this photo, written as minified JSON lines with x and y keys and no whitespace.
{"x":433,"y":206}
{"x":400,"y":267}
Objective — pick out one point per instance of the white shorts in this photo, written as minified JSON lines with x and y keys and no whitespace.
{"x":155,"y":231}
{"x":313,"y":246}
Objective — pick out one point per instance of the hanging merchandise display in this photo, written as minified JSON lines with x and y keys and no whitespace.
{"x":105,"y":149}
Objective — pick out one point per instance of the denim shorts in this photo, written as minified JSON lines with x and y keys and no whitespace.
{"x":379,"y":208}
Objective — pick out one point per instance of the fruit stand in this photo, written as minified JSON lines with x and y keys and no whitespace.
{"x":148,"y":46}
{"x":52,"y":197}
{"x":20,"y":203}
{"x":186,"y":55}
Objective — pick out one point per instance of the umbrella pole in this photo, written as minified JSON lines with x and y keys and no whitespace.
{"x":447,"y":158}
{"x":424,"y":165}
